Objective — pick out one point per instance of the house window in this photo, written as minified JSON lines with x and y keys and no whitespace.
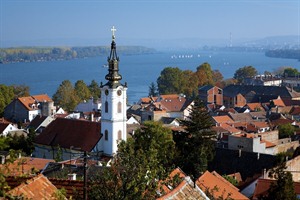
{"x":215,"y":98}
{"x":119,"y":107}
{"x":149,"y":117}
{"x":106,"y":106}
{"x":106,"y":134}
{"x":119,"y":135}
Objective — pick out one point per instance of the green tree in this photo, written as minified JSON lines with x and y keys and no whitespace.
{"x":82,"y":91}
{"x":189,"y":83}
{"x":94,"y":89}
{"x":217,"y":76}
{"x":21,"y":142}
{"x":141,"y":161}
{"x":286,"y":130}
{"x":283,"y":188}
{"x":153,"y":90}
{"x":65,"y":96}
{"x":195,"y":146}
{"x":6,"y":96}
{"x":290,"y":72}
{"x":21,"y":90}
{"x":244,"y":72}
{"x":169,"y":81}
{"x":205,"y":75}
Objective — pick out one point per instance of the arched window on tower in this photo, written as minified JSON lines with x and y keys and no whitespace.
{"x":119,"y":135}
{"x":106,"y":106}
{"x":106,"y":134}
{"x":119,"y":107}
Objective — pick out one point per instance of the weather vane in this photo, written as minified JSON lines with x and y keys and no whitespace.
{"x":113,"y":30}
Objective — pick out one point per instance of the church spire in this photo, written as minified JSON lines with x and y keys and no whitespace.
{"x":113,"y":75}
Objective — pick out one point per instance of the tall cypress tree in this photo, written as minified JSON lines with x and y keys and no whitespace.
{"x":195,"y":146}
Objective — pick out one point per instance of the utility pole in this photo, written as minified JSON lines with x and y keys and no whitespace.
{"x":85,"y":176}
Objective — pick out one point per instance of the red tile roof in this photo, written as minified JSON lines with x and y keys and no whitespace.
{"x":183,"y":190}
{"x":263,"y":185}
{"x":295,"y":110}
{"x":74,"y":188}
{"x":42,"y":98}
{"x":38,"y":187}
{"x":71,"y":132}
{"x":29,"y":101}
{"x":230,"y":129}
{"x":172,"y":102}
{"x":209,"y":181}
{"x":26,"y":165}
{"x":278,"y":102}
{"x":255,"y":106}
{"x":223,"y":119}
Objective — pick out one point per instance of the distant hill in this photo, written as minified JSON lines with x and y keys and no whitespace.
{"x":37,"y":54}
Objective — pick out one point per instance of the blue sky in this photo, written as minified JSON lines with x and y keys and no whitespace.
{"x":25,"y":20}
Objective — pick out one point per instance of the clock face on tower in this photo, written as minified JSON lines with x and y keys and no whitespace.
{"x":119,"y":92}
{"x":106,"y":92}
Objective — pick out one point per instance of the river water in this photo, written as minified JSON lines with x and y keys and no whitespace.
{"x":137,"y":70}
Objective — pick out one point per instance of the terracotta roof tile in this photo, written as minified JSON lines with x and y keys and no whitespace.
{"x":31,"y":100}
{"x":42,"y":98}
{"x":263,"y":185}
{"x":295,"y":110}
{"x":38,"y":187}
{"x":71,"y":132}
{"x":74,"y":188}
{"x":223,"y":119}
{"x":255,"y":106}
{"x":172,"y":103}
{"x":230,"y":129}
{"x":260,"y":124}
{"x":185,"y":189}
{"x":211,"y":180}
{"x":26,"y":165}
{"x":27,"y":102}
{"x":278,"y":102}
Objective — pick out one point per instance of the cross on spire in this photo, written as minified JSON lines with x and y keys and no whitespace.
{"x":113,"y":30}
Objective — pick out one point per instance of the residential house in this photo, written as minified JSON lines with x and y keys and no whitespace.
{"x":295,"y":113}
{"x":38,"y":187}
{"x":241,"y":117}
{"x":39,"y":123}
{"x":239,"y":95}
{"x":24,"y":109}
{"x":222,"y":119}
{"x":211,"y":94}
{"x":69,"y":136}
{"x":252,"y":143}
{"x":254,"y":107}
{"x":218,"y":186}
{"x":173,"y":105}
{"x":263,"y":185}
{"x":89,"y":106}
{"x":24,"y":166}
{"x":265,"y":80}
{"x":179,"y":186}
{"x":6,"y":128}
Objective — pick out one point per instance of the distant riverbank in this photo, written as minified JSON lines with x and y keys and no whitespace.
{"x":284,"y":53}
{"x":41,"y":54}
{"x":137,"y":70}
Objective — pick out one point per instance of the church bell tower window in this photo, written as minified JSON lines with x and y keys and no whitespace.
{"x":106,"y":106}
{"x":119,"y":107}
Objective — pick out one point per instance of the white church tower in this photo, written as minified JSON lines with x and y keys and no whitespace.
{"x":113,"y":109}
